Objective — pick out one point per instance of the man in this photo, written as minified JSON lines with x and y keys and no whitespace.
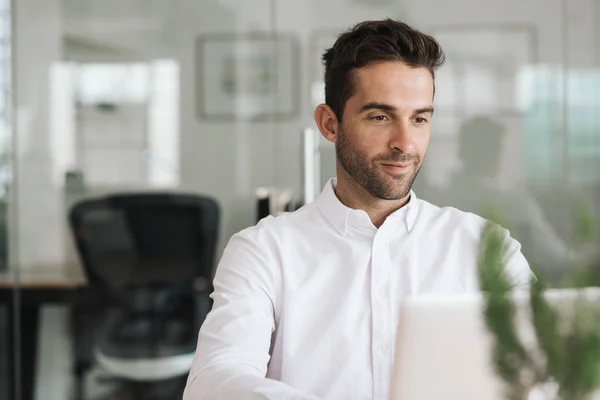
{"x":306,"y":304}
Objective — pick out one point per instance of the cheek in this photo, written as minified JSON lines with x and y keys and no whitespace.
{"x":375,"y":139}
{"x":368,"y":142}
{"x":422,"y":142}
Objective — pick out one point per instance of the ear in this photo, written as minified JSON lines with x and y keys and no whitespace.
{"x":326,"y":122}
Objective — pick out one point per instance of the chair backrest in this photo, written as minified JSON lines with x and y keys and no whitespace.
{"x":146,"y":239}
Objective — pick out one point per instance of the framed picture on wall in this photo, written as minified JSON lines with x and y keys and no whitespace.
{"x":249,"y":77}
{"x":485,"y":64}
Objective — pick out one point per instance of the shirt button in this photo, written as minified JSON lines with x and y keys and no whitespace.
{"x":382,"y":348}
{"x":382,"y":292}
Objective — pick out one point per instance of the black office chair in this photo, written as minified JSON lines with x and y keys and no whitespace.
{"x":149,"y":262}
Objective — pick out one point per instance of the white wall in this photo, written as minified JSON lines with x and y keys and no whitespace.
{"x":228,"y":160}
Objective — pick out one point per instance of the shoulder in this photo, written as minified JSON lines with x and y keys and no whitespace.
{"x":451,"y":218}
{"x":462,"y":226}
{"x":256,"y":247}
{"x":469,"y":227}
{"x":280,"y":226}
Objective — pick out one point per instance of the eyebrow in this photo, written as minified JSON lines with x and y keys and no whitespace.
{"x":377,"y":106}
{"x":424,"y":110}
{"x":391,"y":109}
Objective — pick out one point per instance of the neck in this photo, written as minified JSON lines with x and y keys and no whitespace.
{"x":354,"y":196}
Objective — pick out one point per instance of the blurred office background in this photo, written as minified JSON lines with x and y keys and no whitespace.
{"x":122,"y":121}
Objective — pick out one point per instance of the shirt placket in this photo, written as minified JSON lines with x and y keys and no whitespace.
{"x":380,"y":307}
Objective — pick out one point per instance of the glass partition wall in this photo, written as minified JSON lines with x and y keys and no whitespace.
{"x":7,"y":292}
{"x":119,"y":98}
{"x":216,"y":98}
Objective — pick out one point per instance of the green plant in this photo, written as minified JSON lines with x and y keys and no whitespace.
{"x":567,"y":356}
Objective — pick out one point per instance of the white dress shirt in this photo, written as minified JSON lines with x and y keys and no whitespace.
{"x":306,"y":304}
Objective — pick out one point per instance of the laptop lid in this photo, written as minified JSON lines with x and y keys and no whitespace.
{"x":444,"y":350}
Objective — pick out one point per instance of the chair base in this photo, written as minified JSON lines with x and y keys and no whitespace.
{"x":144,"y":370}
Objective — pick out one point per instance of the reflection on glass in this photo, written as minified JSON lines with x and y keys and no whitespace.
{"x":5,"y":128}
{"x":558,"y":136}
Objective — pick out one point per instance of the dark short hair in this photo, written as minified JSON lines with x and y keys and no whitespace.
{"x":370,"y":42}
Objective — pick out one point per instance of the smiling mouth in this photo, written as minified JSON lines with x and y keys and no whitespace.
{"x":396,"y":168}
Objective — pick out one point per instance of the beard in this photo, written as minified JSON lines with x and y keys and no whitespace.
{"x":367,"y":172}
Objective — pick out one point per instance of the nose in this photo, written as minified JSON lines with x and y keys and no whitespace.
{"x":402,"y":139}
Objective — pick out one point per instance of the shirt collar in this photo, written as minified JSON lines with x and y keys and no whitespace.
{"x":342,"y":217}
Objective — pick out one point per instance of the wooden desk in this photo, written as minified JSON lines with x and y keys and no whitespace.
{"x":24,"y":293}
{"x":44,"y":277}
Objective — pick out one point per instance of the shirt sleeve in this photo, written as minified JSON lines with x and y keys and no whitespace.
{"x":234,"y":341}
{"x":517,"y":266}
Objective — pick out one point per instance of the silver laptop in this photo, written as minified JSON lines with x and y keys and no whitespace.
{"x":444,"y":350}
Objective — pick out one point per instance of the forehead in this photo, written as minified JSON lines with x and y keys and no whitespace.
{"x":394,"y":83}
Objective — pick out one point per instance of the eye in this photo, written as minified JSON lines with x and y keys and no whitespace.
{"x":379,"y":118}
{"x":420,"y":120}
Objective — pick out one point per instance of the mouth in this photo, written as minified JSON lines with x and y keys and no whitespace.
{"x":396,"y":168}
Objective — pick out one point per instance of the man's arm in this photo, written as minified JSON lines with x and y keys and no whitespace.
{"x":234,"y":341}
